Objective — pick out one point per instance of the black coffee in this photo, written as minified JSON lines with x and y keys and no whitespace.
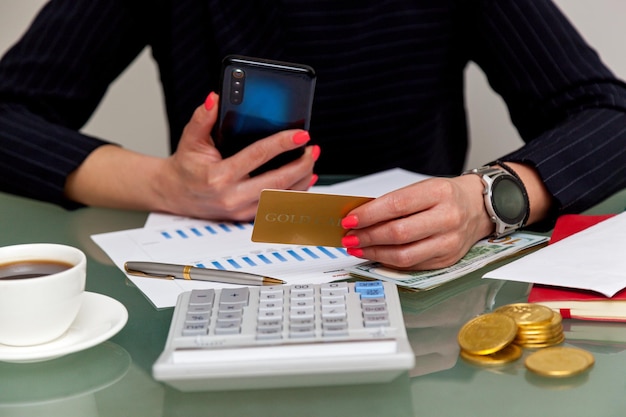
{"x":32,"y":269}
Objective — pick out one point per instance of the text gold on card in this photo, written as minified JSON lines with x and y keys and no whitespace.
{"x":302,"y":218}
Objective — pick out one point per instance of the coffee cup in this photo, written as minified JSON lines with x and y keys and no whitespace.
{"x":41,"y":288}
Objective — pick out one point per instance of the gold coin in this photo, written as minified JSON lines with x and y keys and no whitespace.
{"x":540,"y":344}
{"x":540,"y":332}
{"x":526,"y":314}
{"x":559,"y":361}
{"x":508,"y":354}
{"x":540,"y":335}
{"x":487,"y":333}
{"x":557,"y":320}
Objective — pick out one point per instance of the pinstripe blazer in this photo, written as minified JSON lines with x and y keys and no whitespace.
{"x":390,"y":82}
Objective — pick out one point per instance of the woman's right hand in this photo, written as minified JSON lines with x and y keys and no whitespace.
{"x":195,"y":181}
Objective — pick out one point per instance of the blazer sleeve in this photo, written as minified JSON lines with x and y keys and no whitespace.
{"x":566,"y":104}
{"x":51,"y":81}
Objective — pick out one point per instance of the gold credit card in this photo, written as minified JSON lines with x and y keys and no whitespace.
{"x":302,"y":218}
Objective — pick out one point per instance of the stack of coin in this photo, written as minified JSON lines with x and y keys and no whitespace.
{"x":538,"y":326}
{"x":498,"y":338}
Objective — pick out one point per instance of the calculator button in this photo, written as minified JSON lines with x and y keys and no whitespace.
{"x":271,"y":304}
{"x":200,"y":308}
{"x":227,"y":328}
{"x":301,"y":332}
{"x":333,"y":301}
{"x":235,"y":296}
{"x":334,"y":288}
{"x":376,"y":320}
{"x":202,"y":297}
{"x":335,"y":330}
{"x":365,"y":285}
{"x":303,"y":313}
{"x":195,"y":329}
{"x":271,"y":296}
{"x":230,"y":315}
{"x":196,"y":318}
{"x":270,"y":314}
{"x":374,"y":310}
{"x":272,"y":289}
{"x":372,"y":293}
{"x":373,"y":301}
{"x":302,"y":322}
{"x":223,"y":308}
{"x":268,"y":334}
{"x":309,"y":302}
{"x":333,"y":311}
{"x":302,"y":295}
{"x":269,"y":324}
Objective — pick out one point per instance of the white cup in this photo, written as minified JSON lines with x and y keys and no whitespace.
{"x":40,"y":309}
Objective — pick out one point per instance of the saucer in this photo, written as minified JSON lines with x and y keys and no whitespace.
{"x":99,"y":318}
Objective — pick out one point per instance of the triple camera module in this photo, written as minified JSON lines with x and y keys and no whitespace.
{"x":237,"y":81}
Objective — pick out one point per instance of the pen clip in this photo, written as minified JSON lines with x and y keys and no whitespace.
{"x":146,"y":274}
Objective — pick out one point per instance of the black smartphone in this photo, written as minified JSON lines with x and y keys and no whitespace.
{"x":259,"y":97}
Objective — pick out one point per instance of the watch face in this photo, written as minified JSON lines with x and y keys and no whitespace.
{"x":508,"y":200}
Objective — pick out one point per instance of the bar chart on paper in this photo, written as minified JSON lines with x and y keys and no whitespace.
{"x":219,"y":245}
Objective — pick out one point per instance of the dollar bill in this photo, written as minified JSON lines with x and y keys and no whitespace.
{"x":482,"y":253}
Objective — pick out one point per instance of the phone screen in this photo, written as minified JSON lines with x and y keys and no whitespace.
{"x":259,"y":98}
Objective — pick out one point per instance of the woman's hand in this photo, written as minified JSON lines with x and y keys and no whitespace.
{"x":433,"y":223}
{"x":197,"y":177}
{"x":195,"y":181}
{"x":427,"y":225}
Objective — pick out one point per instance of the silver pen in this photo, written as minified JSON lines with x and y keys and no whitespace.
{"x":189,"y":272}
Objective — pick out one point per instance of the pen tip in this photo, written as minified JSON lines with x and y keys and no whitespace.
{"x":272,"y":281}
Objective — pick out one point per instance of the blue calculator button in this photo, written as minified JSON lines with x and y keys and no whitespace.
{"x":366,"y":285}
{"x":372,"y":293}
{"x":370,"y":289}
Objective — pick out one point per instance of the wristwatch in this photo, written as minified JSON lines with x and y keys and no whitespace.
{"x":505,"y":197}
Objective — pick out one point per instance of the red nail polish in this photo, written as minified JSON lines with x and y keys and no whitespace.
{"x":314,"y":179}
{"x":209,"y":102}
{"x":355,"y":252}
{"x":350,"y":241}
{"x":301,"y":137}
{"x":349,"y":222}
{"x":315,"y":152}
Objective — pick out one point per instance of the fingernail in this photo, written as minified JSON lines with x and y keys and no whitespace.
{"x":301,"y":137}
{"x":210,"y":101}
{"x":315,"y":152}
{"x":314,"y":179}
{"x":350,"y":241}
{"x":349,"y":222}
{"x":355,"y":252}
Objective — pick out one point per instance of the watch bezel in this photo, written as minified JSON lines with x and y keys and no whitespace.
{"x":491,"y":176}
{"x":496,"y":181}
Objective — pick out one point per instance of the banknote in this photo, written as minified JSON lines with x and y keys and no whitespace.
{"x":482,"y":253}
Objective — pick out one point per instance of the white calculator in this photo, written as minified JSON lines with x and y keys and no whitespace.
{"x":285,"y":336}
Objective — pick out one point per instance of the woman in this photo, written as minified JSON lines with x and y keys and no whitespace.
{"x":389,"y":93}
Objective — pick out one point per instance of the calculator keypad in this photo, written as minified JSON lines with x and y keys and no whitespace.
{"x":286,"y":313}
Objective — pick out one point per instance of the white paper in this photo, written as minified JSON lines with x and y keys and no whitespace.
{"x":593,"y":259}
{"x":374,"y":185}
{"x":220,"y":245}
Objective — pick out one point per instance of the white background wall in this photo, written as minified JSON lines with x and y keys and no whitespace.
{"x":132,"y":113}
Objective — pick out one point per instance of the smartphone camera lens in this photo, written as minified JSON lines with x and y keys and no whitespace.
{"x":236,"y":85}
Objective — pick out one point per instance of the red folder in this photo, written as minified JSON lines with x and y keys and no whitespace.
{"x":575,"y":303}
